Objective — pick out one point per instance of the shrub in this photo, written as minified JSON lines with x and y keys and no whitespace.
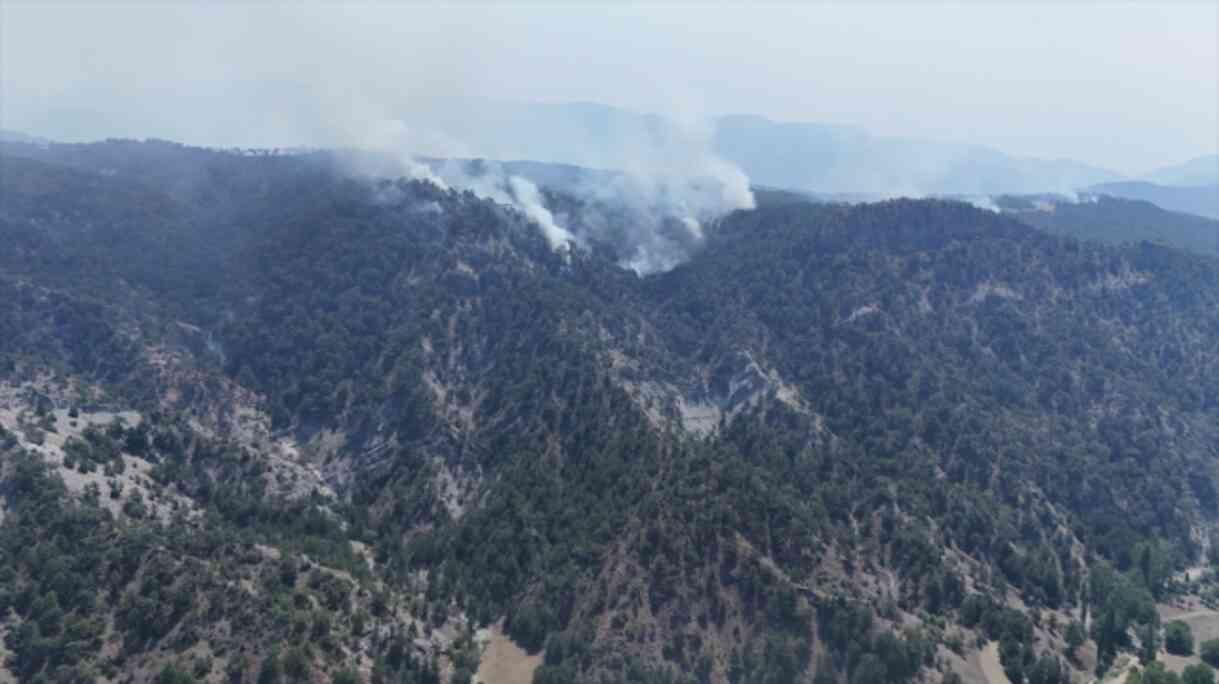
{"x":1198,"y":673}
{"x":1179,"y":638}
{"x":1210,"y":652}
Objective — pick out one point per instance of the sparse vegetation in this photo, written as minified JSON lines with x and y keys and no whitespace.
{"x":921,"y":415}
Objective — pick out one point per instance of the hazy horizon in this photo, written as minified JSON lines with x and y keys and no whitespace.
{"x":1123,"y":87}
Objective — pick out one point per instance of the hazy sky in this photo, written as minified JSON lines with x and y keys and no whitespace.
{"x":1127,"y":86}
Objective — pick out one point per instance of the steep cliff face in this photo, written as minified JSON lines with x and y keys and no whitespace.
{"x":837,"y":443}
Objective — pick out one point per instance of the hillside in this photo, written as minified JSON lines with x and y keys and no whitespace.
{"x":1115,"y":220}
{"x":1200,"y":199}
{"x":264,"y":421}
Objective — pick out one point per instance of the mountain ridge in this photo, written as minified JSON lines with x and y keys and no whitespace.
{"x":1200,"y":200}
{"x":817,"y":157}
{"x":1203,"y":170}
{"x":838,"y":443}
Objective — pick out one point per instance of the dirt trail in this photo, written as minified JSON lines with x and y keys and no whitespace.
{"x":504,"y":662}
{"x":988,"y":660}
{"x":1193,"y":615}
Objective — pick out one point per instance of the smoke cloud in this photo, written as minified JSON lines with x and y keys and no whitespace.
{"x":411,"y":83}
{"x":526,"y":195}
{"x":643,"y":193}
{"x":493,"y":182}
{"x":652,"y":220}
{"x":983,"y":202}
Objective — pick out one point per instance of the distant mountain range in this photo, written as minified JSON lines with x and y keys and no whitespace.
{"x":808,"y":157}
{"x":1199,"y":171}
{"x":7,"y":136}
{"x":1202,"y":200}
{"x":835,"y":160}
{"x":1116,"y":220}
{"x":805,"y":156}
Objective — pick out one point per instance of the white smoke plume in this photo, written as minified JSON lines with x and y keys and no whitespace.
{"x":644,"y":187}
{"x":984,"y":202}
{"x":655,"y":219}
{"x":396,"y":149}
{"x":492,"y":182}
{"x":530,"y":201}
{"x":1076,"y":197}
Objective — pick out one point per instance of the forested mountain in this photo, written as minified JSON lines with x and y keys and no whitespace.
{"x":1115,"y":220}
{"x":1201,"y":199}
{"x":265,"y":421}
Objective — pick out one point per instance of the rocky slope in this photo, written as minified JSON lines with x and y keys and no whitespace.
{"x":368,"y":421}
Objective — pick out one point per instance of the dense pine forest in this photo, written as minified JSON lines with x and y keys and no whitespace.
{"x":264,"y":420}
